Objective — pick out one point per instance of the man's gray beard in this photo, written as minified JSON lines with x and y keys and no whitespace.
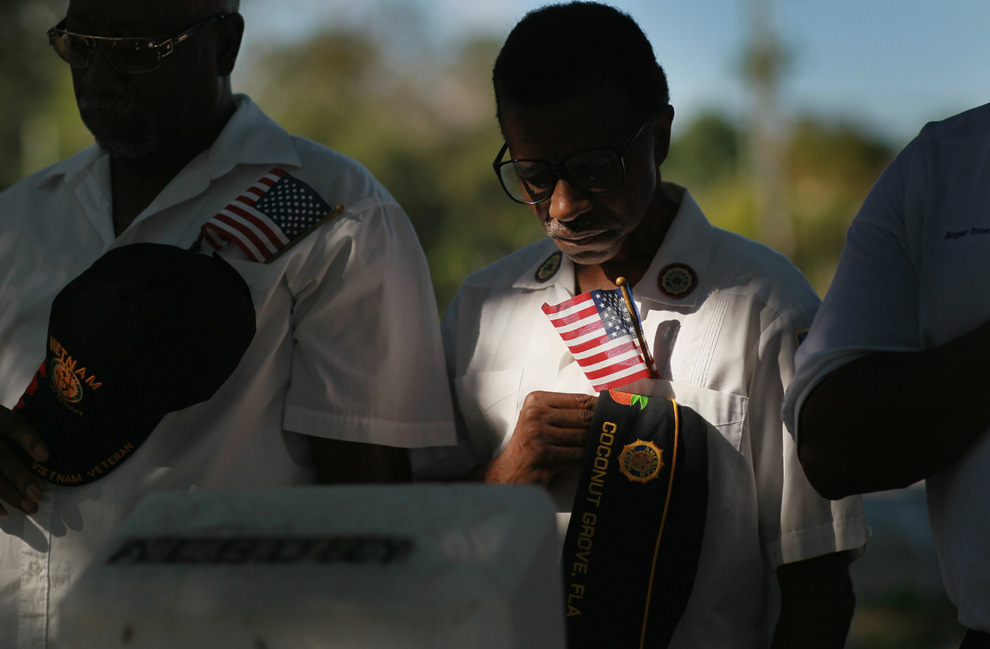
{"x":129,"y":147}
{"x":601,"y":220}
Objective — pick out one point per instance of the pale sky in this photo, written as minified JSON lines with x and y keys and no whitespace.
{"x":888,"y":65}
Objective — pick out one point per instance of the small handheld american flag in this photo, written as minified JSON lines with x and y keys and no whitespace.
{"x":601,"y":335}
{"x":269,"y":217}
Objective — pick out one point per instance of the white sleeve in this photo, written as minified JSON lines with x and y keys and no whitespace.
{"x":795,"y":522}
{"x":872,"y":303}
{"x":368,"y":363}
{"x":450,"y":462}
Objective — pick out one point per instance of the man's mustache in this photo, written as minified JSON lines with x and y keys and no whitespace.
{"x":122,"y":106}
{"x":584,"y":223}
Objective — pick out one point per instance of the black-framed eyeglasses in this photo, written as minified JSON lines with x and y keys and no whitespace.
{"x":598,"y":171}
{"x":127,"y":55}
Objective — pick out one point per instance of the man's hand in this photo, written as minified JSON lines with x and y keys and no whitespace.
{"x":550,"y":435}
{"x":18,"y":485}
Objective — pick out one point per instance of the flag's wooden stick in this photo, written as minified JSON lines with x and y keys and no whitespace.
{"x":621,"y":283}
{"x":336,"y":210}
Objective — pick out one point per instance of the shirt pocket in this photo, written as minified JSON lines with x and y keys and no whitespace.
{"x":725,"y":415}
{"x":487,"y":401}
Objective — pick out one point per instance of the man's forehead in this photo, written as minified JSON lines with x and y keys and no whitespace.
{"x":129,"y":18}
{"x":574,"y":124}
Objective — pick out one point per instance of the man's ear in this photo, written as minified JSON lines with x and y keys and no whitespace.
{"x":229,"y":33}
{"x":661,"y":134}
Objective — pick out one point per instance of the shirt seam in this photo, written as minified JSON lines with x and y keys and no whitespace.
{"x":318,"y":423}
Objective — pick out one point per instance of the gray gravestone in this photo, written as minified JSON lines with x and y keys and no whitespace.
{"x":356,"y":567}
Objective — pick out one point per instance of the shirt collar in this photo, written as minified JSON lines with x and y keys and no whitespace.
{"x":547,"y":256}
{"x":250,"y":137}
{"x":71,"y":167}
{"x":688,"y":243}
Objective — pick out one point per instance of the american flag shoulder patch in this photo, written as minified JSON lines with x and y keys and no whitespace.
{"x":268,"y":217}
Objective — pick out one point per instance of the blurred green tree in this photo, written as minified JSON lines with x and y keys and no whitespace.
{"x":425,"y":128}
{"x":707,"y":152}
{"x":422,"y":120}
{"x":829,"y":169}
{"x":39,"y":123}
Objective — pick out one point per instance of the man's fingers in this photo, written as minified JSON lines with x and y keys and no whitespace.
{"x":555,"y":458}
{"x":550,"y":435}
{"x":12,"y":494}
{"x":19,"y":486}
{"x":555,"y":409}
{"x":557,"y":419}
{"x":23,"y":434}
{"x":15,"y":475}
{"x":562,"y":400}
{"x":566,"y":437}
{"x":559,"y":457}
{"x":566,"y":419}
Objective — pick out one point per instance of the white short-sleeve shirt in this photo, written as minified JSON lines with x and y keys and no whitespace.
{"x":913,"y":276}
{"x":347,"y":344}
{"x":726,"y":349}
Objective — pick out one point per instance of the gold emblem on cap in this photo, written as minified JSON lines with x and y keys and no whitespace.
{"x":549,"y":267}
{"x":68,"y":376}
{"x":641,"y":461}
{"x":677,"y":280}
{"x":64,"y":383}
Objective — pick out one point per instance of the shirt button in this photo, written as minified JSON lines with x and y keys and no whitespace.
{"x":35,"y":567}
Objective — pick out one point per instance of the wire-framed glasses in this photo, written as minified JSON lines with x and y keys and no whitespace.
{"x":127,"y":55}
{"x":598,"y":171}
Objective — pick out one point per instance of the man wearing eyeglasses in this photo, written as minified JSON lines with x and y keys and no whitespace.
{"x":583,"y":107}
{"x":345,"y":372}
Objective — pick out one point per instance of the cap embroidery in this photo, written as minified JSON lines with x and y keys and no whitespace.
{"x":68,"y":376}
{"x":641,"y":461}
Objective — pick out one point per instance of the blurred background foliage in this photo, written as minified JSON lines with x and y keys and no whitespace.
{"x":428,"y":132}
{"x":421,"y":118}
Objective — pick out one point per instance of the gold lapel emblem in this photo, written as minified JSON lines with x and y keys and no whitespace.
{"x":677,"y":280}
{"x":549,"y":267}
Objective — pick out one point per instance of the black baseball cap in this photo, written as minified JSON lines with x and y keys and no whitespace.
{"x":148,"y":329}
